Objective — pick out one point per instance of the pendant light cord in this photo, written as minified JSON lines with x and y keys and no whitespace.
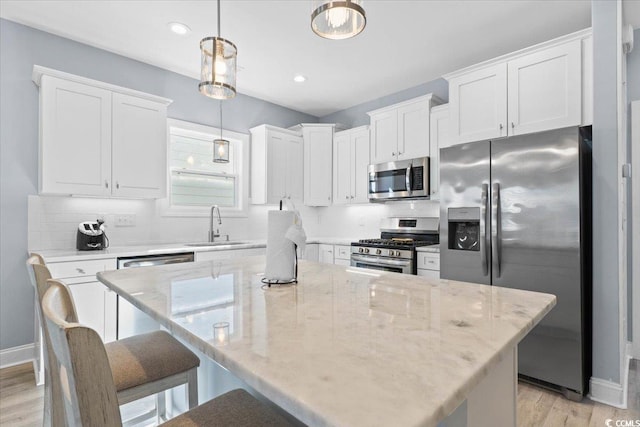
{"x":220,"y":102}
{"x":218,"y":18}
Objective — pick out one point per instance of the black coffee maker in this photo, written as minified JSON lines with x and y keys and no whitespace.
{"x":91,"y":236}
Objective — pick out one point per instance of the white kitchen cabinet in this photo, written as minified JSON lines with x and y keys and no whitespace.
{"x":350,"y":166}
{"x":94,"y":302}
{"x":139,"y":144}
{"x":428,"y":264}
{"x":226,"y":255}
{"x":325,"y":254}
{"x":533,"y":90}
{"x":312,"y":252}
{"x":318,"y":159}
{"x":95,"y":138}
{"x":276,"y":165}
{"x":401,"y":131}
{"x":342,"y":255}
{"x":439,"y":138}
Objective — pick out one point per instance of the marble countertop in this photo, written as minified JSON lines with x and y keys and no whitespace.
{"x":431,"y":248}
{"x":345,"y":346}
{"x":63,"y":255}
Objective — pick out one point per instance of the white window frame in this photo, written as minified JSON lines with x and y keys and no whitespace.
{"x":241,"y":155}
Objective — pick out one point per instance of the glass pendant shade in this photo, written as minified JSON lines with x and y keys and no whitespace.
{"x":218,"y":68}
{"x":220,"y":151}
{"x":338,"y":20}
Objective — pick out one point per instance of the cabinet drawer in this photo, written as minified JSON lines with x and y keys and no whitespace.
{"x":428,"y":261}
{"x":343,"y":252}
{"x":61,"y":270}
{"x":432,"y":274}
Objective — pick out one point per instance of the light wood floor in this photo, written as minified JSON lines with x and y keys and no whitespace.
{"x":21,"y":403}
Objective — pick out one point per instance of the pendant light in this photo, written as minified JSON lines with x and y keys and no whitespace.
{"x":338,"y":20}
{"x":220,"y":145}
{"x":218,"y":66}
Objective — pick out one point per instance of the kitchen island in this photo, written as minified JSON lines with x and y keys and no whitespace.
{"x":348,"y":346}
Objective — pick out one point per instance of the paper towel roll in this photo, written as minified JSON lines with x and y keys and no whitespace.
{"x":281,"y":254}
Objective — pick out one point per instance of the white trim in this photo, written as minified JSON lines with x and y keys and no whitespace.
{"x":39,"y":71}
{"x":635,"y":220}
{"x":242,"y":155}
{"x":17,"y":355}
{"x":582,"y":34}
{"x":607,"y":392}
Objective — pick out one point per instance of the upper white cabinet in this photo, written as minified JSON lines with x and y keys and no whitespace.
{"x":96,"y":138}
{"x":439,"y":138}
{"x":318,"y":159}
{"x":536,"y":89}
{"x":401,"y":131}
{"x":350,"y":166}
{"x":276,"y":165}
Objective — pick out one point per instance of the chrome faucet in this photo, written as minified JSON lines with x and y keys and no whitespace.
{"x":212,"y":234}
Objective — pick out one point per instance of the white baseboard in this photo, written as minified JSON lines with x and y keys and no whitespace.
{"x":607,"y":392}
{"x":17,"y":355}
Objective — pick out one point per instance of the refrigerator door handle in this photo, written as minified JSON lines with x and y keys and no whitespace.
{"x":496,"y":235}
{"x":484,"y":240}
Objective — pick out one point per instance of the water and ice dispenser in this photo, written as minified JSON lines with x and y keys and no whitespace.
{"x":464,"y":229}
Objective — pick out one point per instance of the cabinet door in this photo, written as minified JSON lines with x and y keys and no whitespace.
{"x":318,"y":158}
{"x":439,"y":138}
{"x":294,"y":181}
{"x":75,"y":141}
{"x":545,"y":89}
{"x":276,"y":167}
{"x":139,"y":147}
{"x":413,"y":130}
{"x":384,"y":137}
{"x":89,"y":300}
{"x":478,"y":105}
{"x":325,"y":253}
{"x":342,"y":167}
{"x":360,"y":166}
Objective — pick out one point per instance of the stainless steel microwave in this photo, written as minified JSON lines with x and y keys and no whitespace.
{"x":403,"y":179}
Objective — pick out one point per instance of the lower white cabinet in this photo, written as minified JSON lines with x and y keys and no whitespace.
{"x":428,"y":264}
{"x":311,"y":252}
{"x":342,"y":255}
{"x":325,"y":253}
{"x":228,"y":254}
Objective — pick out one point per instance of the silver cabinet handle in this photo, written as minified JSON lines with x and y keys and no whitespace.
{"x":501,"y":126}
{"x":483,"y":229}
{"x":399,"y":153}
{"x":81,"y":271}
{"x":106,"y":184}
{"x":393,"y":154}
{"x":512,"y":125}
{"x":346,"y":197}
{"x":117,"y":185}
{"x":496,"y":233}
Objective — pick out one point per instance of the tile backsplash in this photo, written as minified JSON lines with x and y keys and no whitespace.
{"x":53,"y":221}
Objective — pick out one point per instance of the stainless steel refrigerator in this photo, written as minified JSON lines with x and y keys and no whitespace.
{"x":516,"y":212}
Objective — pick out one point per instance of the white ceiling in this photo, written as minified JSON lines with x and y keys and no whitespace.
{"x":405,"y":43}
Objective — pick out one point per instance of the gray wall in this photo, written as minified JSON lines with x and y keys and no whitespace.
{"x":357,"y":115}
{"x":606,"y":310}
{"x":20,"y":48}
{"x":633,"y":94}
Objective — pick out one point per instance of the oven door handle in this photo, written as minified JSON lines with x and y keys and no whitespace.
{"x":381,"y":261}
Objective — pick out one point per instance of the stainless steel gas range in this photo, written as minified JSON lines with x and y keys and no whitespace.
{"x":395,"y":250}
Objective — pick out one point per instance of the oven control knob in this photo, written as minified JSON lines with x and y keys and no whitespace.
{"x":397,"y":253}
{"x":378,"y":251}
{"x":390,"y":253}
{"x":366,"y":250}
{"x":360,"y":250}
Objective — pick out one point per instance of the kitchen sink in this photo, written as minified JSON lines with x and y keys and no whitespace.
{"x":204,"y":244}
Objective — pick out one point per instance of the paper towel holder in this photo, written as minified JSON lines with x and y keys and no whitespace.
{"x":293,"y":281}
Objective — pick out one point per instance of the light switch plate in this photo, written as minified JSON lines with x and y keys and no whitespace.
{"x":125,"y":220}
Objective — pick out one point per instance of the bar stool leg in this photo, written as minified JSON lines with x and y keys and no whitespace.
{"x":161,"y":407}
{"x":192,"y":387}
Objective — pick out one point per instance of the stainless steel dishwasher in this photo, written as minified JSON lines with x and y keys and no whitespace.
{"x":132,"y":321}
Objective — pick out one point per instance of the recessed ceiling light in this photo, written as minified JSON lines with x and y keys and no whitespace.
{"x":179,"y":28}
{"x":299,"y":78}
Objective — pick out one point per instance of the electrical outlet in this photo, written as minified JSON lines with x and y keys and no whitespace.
{"x":125,"y":220}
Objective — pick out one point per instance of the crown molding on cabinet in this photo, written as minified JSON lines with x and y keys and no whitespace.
{"x":39,"y":71}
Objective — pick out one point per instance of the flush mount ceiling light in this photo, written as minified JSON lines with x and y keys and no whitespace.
{"x":338,"y":20}
{"x":218,"y":66}
{"x":299,"y":78}
{"x":179,"y":28}
{"x":220,"y":145}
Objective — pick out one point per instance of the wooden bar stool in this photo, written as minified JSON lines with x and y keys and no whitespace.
{"x":87,"y":383}
{"x":141,"y":365}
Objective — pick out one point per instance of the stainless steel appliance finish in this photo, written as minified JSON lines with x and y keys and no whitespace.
{"x":403,"y":179}
{"x":516,"y":213}
{"x":132,"y":321}
{"x":395,"y":251}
